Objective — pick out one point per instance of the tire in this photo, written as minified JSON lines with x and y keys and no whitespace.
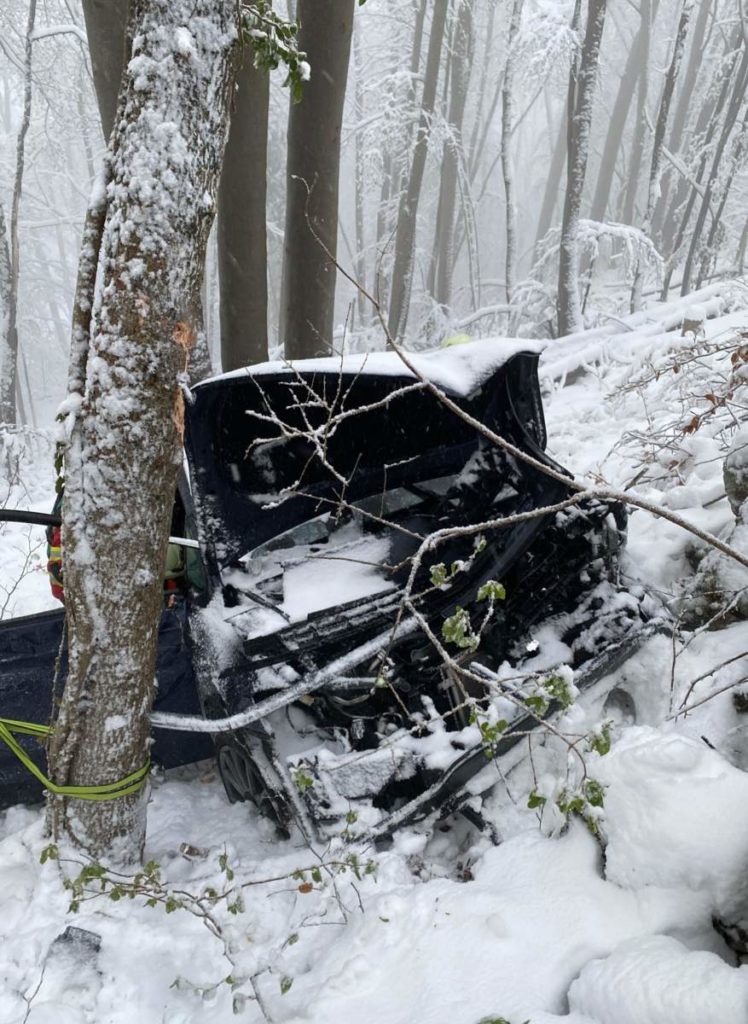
{"x":249,"y":778}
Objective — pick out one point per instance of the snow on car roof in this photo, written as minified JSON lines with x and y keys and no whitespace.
{"x":458,"y":368}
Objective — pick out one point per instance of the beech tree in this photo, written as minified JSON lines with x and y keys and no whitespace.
{"x":658,"y":141}
{"x":135,"y":321}
{"x":242,"y":233}
{"x":242,"y":241}
{"x":405,"y":238}
{"x":312,"y":185}
{"x":581,"y":95}
{"x":9,"y":248}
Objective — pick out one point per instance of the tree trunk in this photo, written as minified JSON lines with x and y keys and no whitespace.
{"x":658,"y":142}
{"x":9,"y":365}
{"x":731,"y":116}
{"x":699,"y":42}
{"x":617,"y":124}
{"x":395,"y":164}
{"x":711,"y":111}
{"x":475,"y":148}
{"x":709,"y":255}
{"x":507,"y":116}
{"x":134,"y":322}
{"x":8,"y":333}
{"x":242,"y":235}
{"x":445,"y":217}
{"x":552,"y":185}
{"x":241,"y":202}
{"x":106,"y":21}
{"x":405,"y":238}
{"x":633,"y":173}
{"x":312,"y":172}
{"x":581,"y":97}
{"x":360,"y":191}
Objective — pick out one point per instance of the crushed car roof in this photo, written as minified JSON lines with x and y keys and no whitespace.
{"x":460,"y":369}
{"x":250,"y":436}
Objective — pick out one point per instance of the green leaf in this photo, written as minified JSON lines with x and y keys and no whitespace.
{"x":600,"y":741}
{"x":538,"y":704}
{"x":50,"y":852}
{"x":458,"y":630}
{"x":594,"y":792}
{"x":559,"y":690}
{"x":303,"y":780}
{"x":492,"y":591}
{"x":535,"y":800}
{"x":438,"y":574}
{"x":285,"y":984}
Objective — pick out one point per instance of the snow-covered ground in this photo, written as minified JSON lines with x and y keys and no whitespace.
{"x":444,"y":928}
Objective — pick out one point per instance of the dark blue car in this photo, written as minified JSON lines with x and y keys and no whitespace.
{"x":305,"y":549}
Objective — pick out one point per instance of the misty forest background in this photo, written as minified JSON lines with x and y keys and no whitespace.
{"x":460,"y":122}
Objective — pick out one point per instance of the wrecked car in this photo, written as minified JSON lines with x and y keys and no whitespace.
{"x":380,"y":595}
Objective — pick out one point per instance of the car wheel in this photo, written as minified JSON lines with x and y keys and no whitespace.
{"x":244,"y":780}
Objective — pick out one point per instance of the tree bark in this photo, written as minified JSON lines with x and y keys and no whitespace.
{"x":106,"y":21}
{"x":552,"y":185}
{"x":699,"y":42}
{"x":581,"y":97}
{"x":617,"y":124}
{"x":507,"y":116}
{"x":8,"y":331}
{"x":688,"y":192}
{"x":445,"y":217}
{"x":242,"y":233}
{"x":9,"y":365}
{"x":405,"y":237}
{"x":134,"y":322}
{"x":731,"y":116}
{"x":658,"y":142}
{"x":639,"y":134}
{"x":395,"y":164}
{"x":709,"y":255}
{"x":360,"y":190}
{"x":312,"y":173}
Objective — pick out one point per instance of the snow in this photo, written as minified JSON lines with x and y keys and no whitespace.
{"x":459,"y":368}
{"x":545,"y":927}
{"x":658,"y":980}
{"x":677,"y":816}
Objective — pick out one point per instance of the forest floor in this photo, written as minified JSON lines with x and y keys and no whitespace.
{"x":446,"y":928}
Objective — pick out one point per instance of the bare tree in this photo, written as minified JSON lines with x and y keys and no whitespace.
{"x":582,"y":81}
{"x":658,"y":142}
{"x":394,"y":169}
{"x":691,"y":188}
{"x":639,"y":134}
{"x":135,"y":321}
{"x":405,"y":238}
{"x":106,"y":22}
{"x":700,"y":38}
{"x":312,"y":173}
{"x":444,"y":248}
{"x":617,"y":123}
{"x":507,"y":116}
{"x":242,"y":232}
{"x":10,"y":246}
{"x":731,"y":117}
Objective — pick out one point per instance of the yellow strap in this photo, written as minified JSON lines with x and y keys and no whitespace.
{"x":132,"y":783}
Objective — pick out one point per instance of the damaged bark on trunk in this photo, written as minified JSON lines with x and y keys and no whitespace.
{"x":144,"y":246}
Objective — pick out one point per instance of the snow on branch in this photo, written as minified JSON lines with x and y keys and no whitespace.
{"x":619,"y":239}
